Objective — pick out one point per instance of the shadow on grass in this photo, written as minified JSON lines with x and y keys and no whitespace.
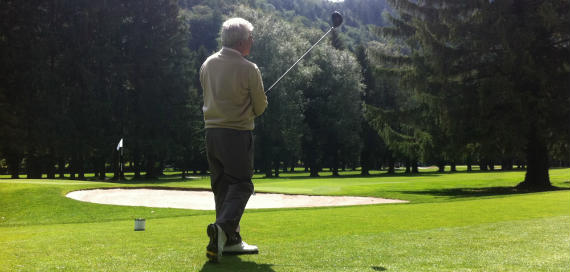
{"x":477,"y":192}
{"x":151,"y":181}
{"x":129,"y":180}
{"x":327,"y":175}
{"x":173,"y":178}
{"x":234,"y":263}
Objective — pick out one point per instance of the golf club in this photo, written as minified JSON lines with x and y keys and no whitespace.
{"x":337,"y":21}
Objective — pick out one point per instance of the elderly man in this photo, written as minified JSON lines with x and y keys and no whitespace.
{"x":233,"y":97}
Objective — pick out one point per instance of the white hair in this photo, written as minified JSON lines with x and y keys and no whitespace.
{"x":235,"y":30}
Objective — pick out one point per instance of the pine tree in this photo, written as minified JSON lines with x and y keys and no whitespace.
{"x":373,"y":147}
{"x":511,"y":57}
{"x":277,"y":44}
{"x":333,"y":110}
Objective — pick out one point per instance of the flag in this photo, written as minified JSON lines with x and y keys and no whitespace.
{"x":120,"y":145}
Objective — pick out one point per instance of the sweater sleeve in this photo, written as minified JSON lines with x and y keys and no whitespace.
{"x":258,"y":97}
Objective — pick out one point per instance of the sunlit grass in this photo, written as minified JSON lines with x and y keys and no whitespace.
{"x":455,"y":222}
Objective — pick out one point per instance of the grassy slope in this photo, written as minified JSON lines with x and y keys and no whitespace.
{"x":456,"y":222}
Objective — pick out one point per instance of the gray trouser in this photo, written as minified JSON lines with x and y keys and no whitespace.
{"x":230,"y":156}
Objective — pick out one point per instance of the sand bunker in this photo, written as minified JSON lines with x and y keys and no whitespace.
{"x":204,"y":200}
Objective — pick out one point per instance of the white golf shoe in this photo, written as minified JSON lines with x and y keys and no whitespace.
{"x":241,"y":248}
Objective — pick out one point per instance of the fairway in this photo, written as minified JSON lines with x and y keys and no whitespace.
{"x":454,"y":222}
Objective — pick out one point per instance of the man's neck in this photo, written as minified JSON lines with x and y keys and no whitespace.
{"x":233,"y":50}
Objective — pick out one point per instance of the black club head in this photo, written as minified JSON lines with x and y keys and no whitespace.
{"x":336,"y":19}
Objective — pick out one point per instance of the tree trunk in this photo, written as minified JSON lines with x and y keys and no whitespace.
{"x":137,"y":163}
{"x":102,"y":173}
{"x":77,"y":166}
{"x":441,"y":166}
{"x":50,"y":166}
{"x":453,"y":167}
{"x":276,"y":169}
{"x":101,"y":168}
{"x":336,"y":163}
{"x":314,"y":171}
{"x":491,"y":165}
{"x":151,"y":172}
{"x":148,"y":168}
{"x":507,"y":164}
{"x":335,"y":172}
{"x":80,"y":167}
{"x":116,"y":166}
{"x":483,"y":165}
{"x":160,"y":170}
{"x":34,"y":167}
{"x":13,"y":161}
{"x":268,"y":171}
{"x":537,"y":177}
{"x":61,"y":167}
{"x":391,"y":167}
{"x":365,"y":162}
{"x":415,"y":169}
{"x":72,"y":167}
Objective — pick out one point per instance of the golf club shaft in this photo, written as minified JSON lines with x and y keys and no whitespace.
{"x":271,"y":87}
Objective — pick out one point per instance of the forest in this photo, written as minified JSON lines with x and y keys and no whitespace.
{"x":400,"y":83}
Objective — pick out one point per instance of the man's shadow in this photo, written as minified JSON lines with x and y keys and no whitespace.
{"x":234,"y":263}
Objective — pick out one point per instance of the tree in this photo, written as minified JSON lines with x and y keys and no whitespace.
{"x":394,"y":110}
{"x":204,"y":23}
{"x":370,"y":140}
{"x":14,"y":49}
{"x":332,"y":114}
{"x":278,"y":131}
{"x":155,"y":50}
{"x":509,"y":56}
{"x":70,"y":72}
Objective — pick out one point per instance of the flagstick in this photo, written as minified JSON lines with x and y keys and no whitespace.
{"x":120,"y":148}
{"x":122,"y":175}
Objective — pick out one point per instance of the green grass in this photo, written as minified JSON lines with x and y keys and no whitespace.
{"x":455,"y":222}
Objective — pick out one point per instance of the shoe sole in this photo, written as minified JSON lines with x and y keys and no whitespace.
{"x":212,"y":249}
{"x":241,"y":252}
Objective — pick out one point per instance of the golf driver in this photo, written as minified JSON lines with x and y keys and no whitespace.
{"x":337,"y":21}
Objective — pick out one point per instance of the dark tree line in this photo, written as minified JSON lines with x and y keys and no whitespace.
{"x":485,"y":81}
{"x":77,"y":76}
{"x":80,"y":75}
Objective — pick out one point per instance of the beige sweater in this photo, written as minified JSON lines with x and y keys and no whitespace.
{"x":233,"y":91}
